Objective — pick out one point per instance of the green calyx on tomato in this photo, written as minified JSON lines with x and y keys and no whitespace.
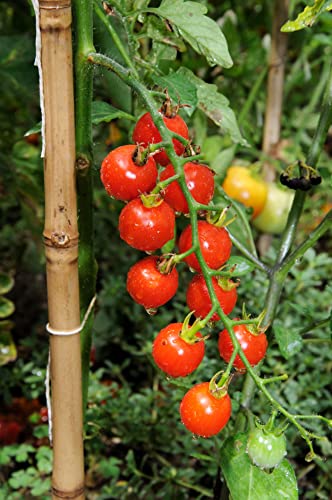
{"x":273,"y":217}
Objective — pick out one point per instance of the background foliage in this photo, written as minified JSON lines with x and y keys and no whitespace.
{"x":136,"y":446}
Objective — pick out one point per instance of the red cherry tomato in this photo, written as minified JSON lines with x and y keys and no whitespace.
{"x":199,"y":180}
{"x":122,"y":178}
{"x":148,"y":286}
{"x":173,"y":354}
{"x":146,"y":228}
{"x":203,"y":413}
{"x":198,"y":298}
{"x":215,"y":245}
{"x":43,"y":412}
{"x":145,"y":133}
{"x":253,"y":346}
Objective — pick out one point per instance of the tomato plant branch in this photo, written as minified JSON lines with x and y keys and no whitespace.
{"x":313,"y":237}
{"x":83,"y":18}
{"x":167,"y":136}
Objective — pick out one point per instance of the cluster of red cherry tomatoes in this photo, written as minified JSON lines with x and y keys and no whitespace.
{"x":147,"y":222}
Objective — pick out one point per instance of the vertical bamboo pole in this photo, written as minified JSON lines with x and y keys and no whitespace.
{"x":61,"y":248}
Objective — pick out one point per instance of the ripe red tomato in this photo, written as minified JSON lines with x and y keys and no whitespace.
{"x":173,"y":354}
{"x":200,"y":182}
{"x":203,"y":413}
{"x":253,"y":346}
{"x":148,"y":286}
{"x":146,"y":228}
{"x":145,"y":133}
{"x":122,"y":178}
{"x":198,"y":298}
{"x":215,"y":245}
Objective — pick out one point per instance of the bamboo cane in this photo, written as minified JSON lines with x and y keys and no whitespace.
{"x":275,"y":88}
{"x":61,"y":248}
{"x":275,"y":85}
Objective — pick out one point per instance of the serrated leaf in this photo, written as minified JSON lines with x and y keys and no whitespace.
{"x":104,"y":112}
{"x":180,"y":89}
{"x":245,"y":481}
{"x":8,"y":350}
{"x":289,"y":341}
{"x":308,"y":16}
{"x":200,"y":31}
{"x":158,"y":32}
{"x":215,"y":106}
{"x":6,"y":283}
{"x":241,"y":266}
{"x":6,"y":307}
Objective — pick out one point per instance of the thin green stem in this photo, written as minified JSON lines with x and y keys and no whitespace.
{"x":313,"y":237}
{"x":115,"y":37}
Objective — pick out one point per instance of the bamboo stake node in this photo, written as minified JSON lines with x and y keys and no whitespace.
{"x":68,"y":494}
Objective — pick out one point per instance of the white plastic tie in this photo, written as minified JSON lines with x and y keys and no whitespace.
{"x":52,"y":331}
{"x":74,"y":331}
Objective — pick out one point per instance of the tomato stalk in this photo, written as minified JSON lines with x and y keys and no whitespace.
{"x":83,"y":19}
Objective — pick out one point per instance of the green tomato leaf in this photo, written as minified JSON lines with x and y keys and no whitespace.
{"x":201,"y":32}
{"x":241,"y":266}
{"x":6,"y":307}
{"x":104,"y":112}
{"x":246,"y":481}
{"x":308,"y":16}
{"x":181,"y":89}
{"x":289,"y":341}
{"x":215,"y":106}
{"x":8,"y":351}
{"x":158,"y":32}
{"x":6,"y":283}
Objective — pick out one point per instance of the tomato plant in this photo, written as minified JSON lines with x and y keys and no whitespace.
{"x":146,"y":132}
{"x":123,"y":178}
{"x":199,"y":301}
{"x":243,"y":185}
{"x":200,"y":182}
{"x":147,"y":227}
{"x":214,"y":242}
{"x":204,"y":413}
{"x":253,"y":344}
{"x":148,"y":285}
{"x":174,"y":354}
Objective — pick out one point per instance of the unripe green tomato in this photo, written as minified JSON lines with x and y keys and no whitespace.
{"x":274,"y":215}
{"x":266,"y":449}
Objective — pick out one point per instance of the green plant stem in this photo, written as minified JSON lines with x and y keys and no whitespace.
{"x":115,"y":37}
{"x":83,"y":19}
{"x":240,"y":213}
{"x":313,"y":237}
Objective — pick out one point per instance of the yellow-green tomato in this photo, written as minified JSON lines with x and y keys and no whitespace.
{"x":274,"y":215}
{"x":244,"y":186}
